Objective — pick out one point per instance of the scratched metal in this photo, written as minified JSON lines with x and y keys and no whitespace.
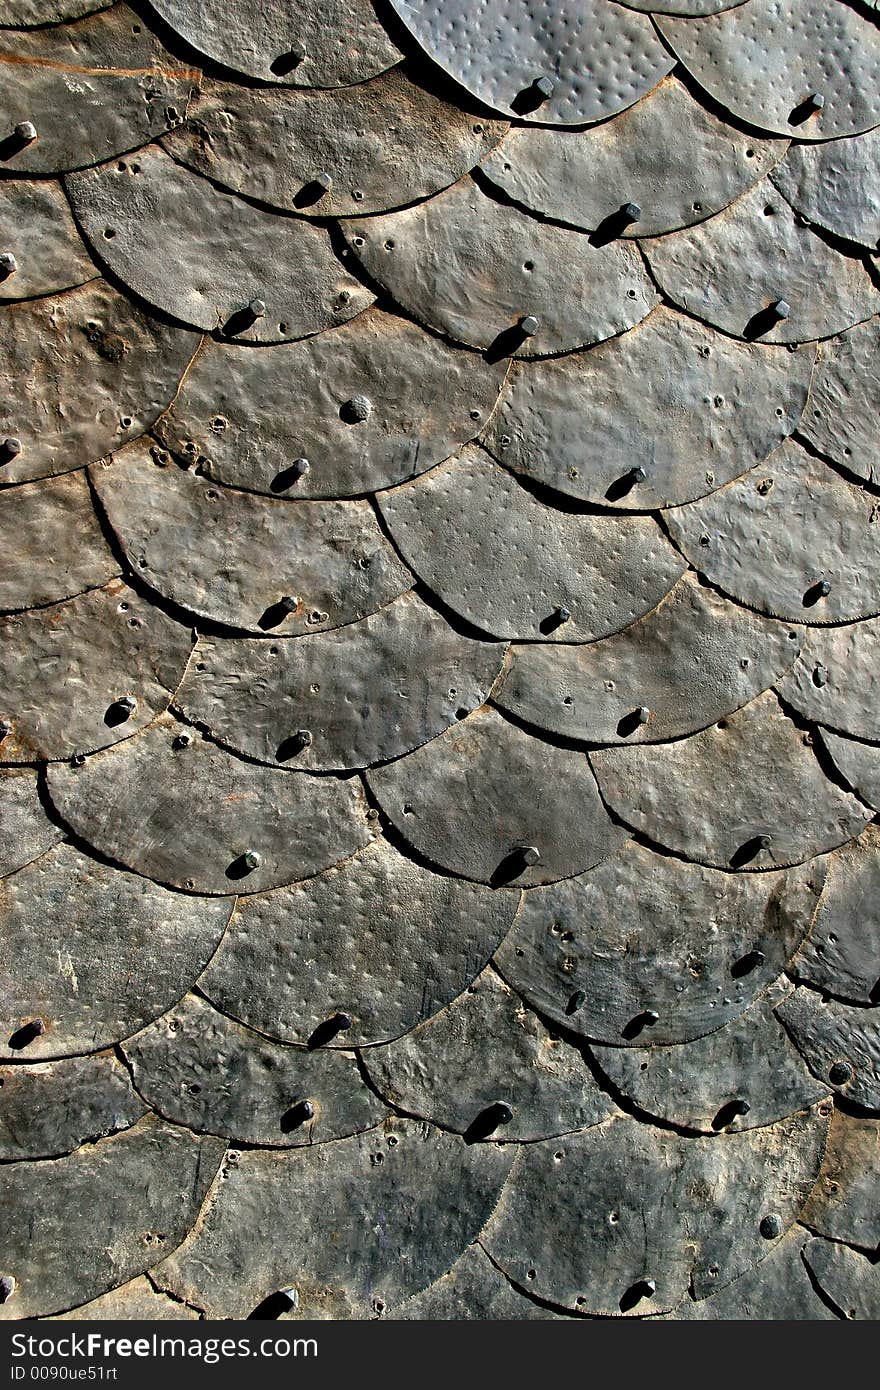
{"x":93,"y":89}
{"x":646,"y":1203}
{"x":174,"y":807}
{"x":597,"y":57}
{"x":842,"y":404}
{"x":833,"y":680}
{"x":843,"y":1204}
{"x":383,"y":144}
{"x":731,"y":270}
{"x":836,"y":185}
{"x":692,"y":660}
{"x":850,"y":1280}
{"x":139,"y":217}
{"x":132,"y":954}
{"x":55,"y":521}
{"x":369,"y":692}
{"x":858,"y":763}
{"x":840,"y":1043}
{"x":27,"y":830}
{"x":22,"y":14}
{"x":792,"y":539}
{"x":330,"y":44}
{"x":71,"y":668}
{"x":50,"y":1108}
{"x":473,"y":268}
{"x":203,"y":1070}
{"x":37,"y":229}
{"x":687,"y":406}
{"x":842,"y":953}
{"x":515,"y":565}
{"x":647,"y":933}
{"x":329,"y":559}
{"x":764,"y":60}
{"x":472,"y":1290}
{"x":491,"y":803}
{"x":121,"y":1204}
{"x":779,"y":1289}
{"x":666,"y":154}
{"x":251,"y":418}
{"x":542,"y":1080}
{"x":377,"y":938}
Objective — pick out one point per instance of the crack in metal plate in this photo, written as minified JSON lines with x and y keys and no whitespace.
{"x":27,"y":830}
{"x":472,"y":1290}
{"x":833,"y":680}
{"x":842,"y":953}
{"x":836,"y":185}
{"x":859,"y":764}
{"x":477,"y":270}
{"x":53,"y":522}
{"x":842,"y":405}
{"x":846,"y":1277}
{"x":38,"y":231}
{"x":843,"y":1204}
{"x":49,"y":1109}
{"x":840,"y":1043}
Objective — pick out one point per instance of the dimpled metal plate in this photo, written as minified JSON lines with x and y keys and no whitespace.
{"x":836,"y":185}
{"x":36,"y":227}
{"x":844,"y":401}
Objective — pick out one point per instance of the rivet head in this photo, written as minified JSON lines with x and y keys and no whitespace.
{"x":650,"y":1016}
{"x":529,"y":325}
{"x":289,"y":602}
{"x":643,"y":714}
{"x":303,"y":738}
{"x":299,"y":468}
{"x":7,"y":1287}
{"x":342,"y":1021}
{"x":128,"y":703}
{"x":820,"y":675}
{"x":25,"y":130}
{"x":323,"y":180}
{"x":182,"y":740}
{"x":499,"y":1111}
{"x":531,"y":855}
{"x":771,"y":1226}
{"x":252,"y":859}
{"x":840,"y":1073}
{"x":824,"y":587}
{"x":358,"y":409}
{"x":780,"y":309}
{"x":638,"y":474}
{"x":11,"y":447}
{"x":5,"y":729}
{"x":563,"y":614}
{"x":8,"y":263}
{"x":814,"y":102}
{"x":577,"y":1001}
{"x":257,"y":308}
{"x":545,"y":87}
{"x":764,"y":841}
{"x":739,"y":1107}
{"x":631,"y":212}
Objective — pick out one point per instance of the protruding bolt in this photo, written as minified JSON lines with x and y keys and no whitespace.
{"x":25,"y":131}
{"x":631,"y":212}
{"x":35,"y":1028}
{"x":290,"y":603}
{"x":576,"y":1002}
{"x":820,"y":675}
{"x":303,"y":738}
{"x":637,"y":474}
{"x":545,"y":87}
{"x":342,"y":1022}
{"x":182,"y":740}
{"x":5,"y":729}
{"x":357,"y":410}
{"x":7,"y":1287}
{"x":128,"y":704}
{"x":11,"y":448}
{"x":771,"y":1226}
{"x":323,"y":180}
{"x":257,"y":309}
{"x":779,"y":309}
{"x":299,"y":1114}
{"x":750,"y":961}
{"x":840,"y":1073}
{"x":650,"y":1017}
{"x":498,"y":1113}
{"x":650,"y":1287}
{"x":531,"y":855}
{"x":252,"y":859}
{"x":739,"y":1107}
{"x":764,"y":841}
{"x":642,"y":714}
{"x":814,"y":102}
{"x":824,"y":587}
{"x":299,"y":468}
{"x":562,"y":614}
{"x":8,"y":263}
{"x":529,"y":325}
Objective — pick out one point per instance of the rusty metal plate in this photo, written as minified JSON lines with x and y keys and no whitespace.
{"x":307,"y":45}
{"x":112,"y":953}
{"x":490,"y":803}
{"x":842,"y":404}
{"x":674,"y":160}
{"x":56,"y":522}
{"x":53,"y":1107}
{"x":858,"y":762}
{"x":170,"y":805}
{"x":625,"y":1218}
{"x":764,"y":61}
{"x":840,"y":1044}
{"x":371,"y":691}
{"x":833,"y":681}
{"x":200,"y":1069}
{"x":843,"y":1205}
{"x":472,"y":1290}
{"x":527,"y":1085}
{"x":519,"y":567}
{"x":92,"y":90}
{"x":211,"y":260}
{"x":380,"y":145}
{"x":836,"y":185}
{"x":27,"y":830}
{"x":757,"y":271}
{"x":595,"y":58}
{"x":266,"y":566}
{"x":39,"y":233}
{"x":692,"y":660}
{"x":84,"y":674}
{"x":842,"y":953}
{"x":646,"y":934}
{"x":792,"y":539}
{"x":743,"y":1076}
{"x":23,"y":14}
{"x":848,"y":1279}
{"x":779,"y":1289}
{"x":490,"y":276}
{"x":306,"y":1219}
{"x":368,"y":405}
{"x":749,"y":793}
{"x":135,"y":1301}
{"x":662,"y":415}
{"x":120,"y":1204}
{"x":80,"y":374}
{"x":379,"y":941}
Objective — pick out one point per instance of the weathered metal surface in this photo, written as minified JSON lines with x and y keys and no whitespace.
{"x":329,"y":558}
{"x":687,"y":8}
{"x":749,"y":793}
{"x":477,"y":270}
{"x":328,"y":45}
{"x":82,"y":373}
{"x":27,"y":830}
{"x":643,"y":934}
{"x":692,"y":660}
{"x":56,"y":521}
{"x":255,"y":276}
{"x":251,"y":418}
{"x":832,"y":682}
{"x":187,"y":813}
{"x":843,"y":1204}
{"x":849,"y":1279}
{"x":306,"y":1219}
{"x":383,"y":144}
{"x":490,"y":803}
{"x":53,"y":1107}
{"x":37,"y":229}
{"x":371,"y":691}
{"x":201,"y":1069}
{"x":778,"y":1289}
{"x":472,"y":1290}
{"x":92,"y":89}
{"x":688,"y":407}
{"x":121,"y":1203}
{"x":515,"y":565}
{"x":668,"y":155}
{"x":130,"y":954}
{"x":584,"y":1222}
{"x":379,"y":939}
{"x":86,"y":673}
{"x":842,"y":405}
{"x":858,"y":762}
{"x":839,"y":1042}
{"x":842,"y":953}
{"x":135,"y":1301}
{"x":598,"y":59}
{"x":22,"y":14}
{"x":836,"y":185}
{"x":732,"y":270}
{"x":791,"y":538}
{"x":764,"y":60}
{"x":542,"y":1080}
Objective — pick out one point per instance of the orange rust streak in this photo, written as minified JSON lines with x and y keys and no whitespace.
{"x":188,"y":74}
